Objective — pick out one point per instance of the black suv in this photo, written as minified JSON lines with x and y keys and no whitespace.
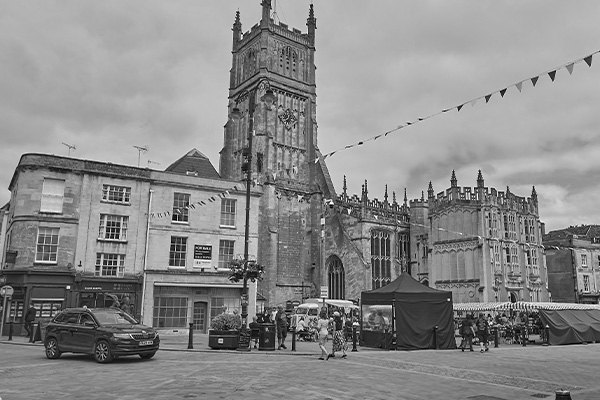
{"x":104,"y":332}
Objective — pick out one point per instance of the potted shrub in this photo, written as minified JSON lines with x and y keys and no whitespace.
{"x":224,"y":331}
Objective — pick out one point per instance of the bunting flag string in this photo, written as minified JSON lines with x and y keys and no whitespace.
{"x":192,"y":206}
{"x":518,"y":85}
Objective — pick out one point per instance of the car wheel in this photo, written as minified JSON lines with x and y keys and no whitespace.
{"x":102,"y":352}
{"x":52,"y":351}
{"x":147,"y":356}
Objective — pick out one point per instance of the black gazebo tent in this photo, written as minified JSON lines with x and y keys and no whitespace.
{"x":417,"y":309}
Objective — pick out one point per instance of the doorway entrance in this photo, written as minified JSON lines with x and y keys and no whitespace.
{"x":199,"y":317}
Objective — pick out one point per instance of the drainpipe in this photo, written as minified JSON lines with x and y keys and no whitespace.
{"x":146,"y":258}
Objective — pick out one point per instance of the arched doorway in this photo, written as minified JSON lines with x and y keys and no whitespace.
{"x":336,"y":278}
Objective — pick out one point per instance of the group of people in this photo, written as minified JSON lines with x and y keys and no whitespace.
{"x":335,"y":325}
{"x":470,"y":327}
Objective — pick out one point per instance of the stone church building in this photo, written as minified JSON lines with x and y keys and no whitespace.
{"x":313,"y":240}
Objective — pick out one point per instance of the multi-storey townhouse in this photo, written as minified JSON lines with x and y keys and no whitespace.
{"x":80,"y":232}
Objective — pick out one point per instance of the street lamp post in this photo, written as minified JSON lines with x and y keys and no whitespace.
{"x":268,"y":98}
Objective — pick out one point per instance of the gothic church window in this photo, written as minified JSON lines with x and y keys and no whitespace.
{"x":380,"y":258}
{"x":336,"y":278}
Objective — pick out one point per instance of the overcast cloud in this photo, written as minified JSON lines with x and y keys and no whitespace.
{"x":109,"y":75}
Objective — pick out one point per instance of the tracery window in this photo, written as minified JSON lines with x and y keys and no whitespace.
{"x":381,"y":269}
{"x":336,"y":278}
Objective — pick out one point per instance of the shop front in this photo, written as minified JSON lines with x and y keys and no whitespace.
{"x":172,"y":305}
{"x":49,"y":291}
{"x":124,"y":293}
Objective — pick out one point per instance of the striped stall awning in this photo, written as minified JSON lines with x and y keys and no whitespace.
{"x":482,"y":306}
{"x":523,"y":306}
{"x":534,"y":306}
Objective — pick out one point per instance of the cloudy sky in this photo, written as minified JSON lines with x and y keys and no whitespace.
{"x":106,"y":76}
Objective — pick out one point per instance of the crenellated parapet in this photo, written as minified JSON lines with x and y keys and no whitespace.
{"x":365,"y":208}
{"x":482,"y":196}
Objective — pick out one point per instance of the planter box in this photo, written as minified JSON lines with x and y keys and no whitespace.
{"x":223,"y":339}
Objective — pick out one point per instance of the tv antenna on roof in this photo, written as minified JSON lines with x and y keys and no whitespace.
{"x":140,"y":149}
{"x":70,"y":146}
{"x":152,"y":162}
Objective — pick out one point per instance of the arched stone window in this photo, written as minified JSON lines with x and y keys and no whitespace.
{"x":336,"y":278}
{"x":381,"y":260}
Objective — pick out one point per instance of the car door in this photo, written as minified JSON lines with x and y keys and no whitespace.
{"x":66,"y":330}
{"x":84,"y":334}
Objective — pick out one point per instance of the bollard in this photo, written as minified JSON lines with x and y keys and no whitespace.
{"x":354,"y":339}
{"x":191,"y":336}
{"x":293,"y":338}
{"x":10,"y":330}
{"x":496,"y":334}
{"x":435,"y":338}
{"x":524,"y":336}
{"x":546,"y":341}
{"x":384,"y":345}
{"x":562,"y":395}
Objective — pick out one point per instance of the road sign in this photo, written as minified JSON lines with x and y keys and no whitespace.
{"x":324,"y":291}
{"x":6,"y":291}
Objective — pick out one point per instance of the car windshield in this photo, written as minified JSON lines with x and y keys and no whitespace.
{"x":113,"y":317}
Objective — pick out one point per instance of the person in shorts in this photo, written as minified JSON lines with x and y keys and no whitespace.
{"x":282,"y":327}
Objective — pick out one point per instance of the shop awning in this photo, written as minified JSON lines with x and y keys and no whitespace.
{"x":208,"y":285}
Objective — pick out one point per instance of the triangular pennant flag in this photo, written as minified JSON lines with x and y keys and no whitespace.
{"x":316,"y":161}
{"x":459,"y":107}
{"x":421,"y":119}
{"x":375,"y":216}
{"x":203,"y":203}
{"x":151,"y":215}
{"x":376,"y":137}
{"x":519,"y":86}
{"x":473,"y":102}
{"x":534,"y":80}
{"x":167,"y":213}
{"x":487,"y":98}
{"x":211,"y":199}
{"x":159,"y":215}
{"x":360,"y":143}
{"x":446,"y":110}
{"x":192,"y":206}
{"x":227,"y":193}
{"x":408,"y":123}
{"x":570,"y":68}
{"x":502,"y":92}
{"x":552,"y":75}
{"x":588,"y":60}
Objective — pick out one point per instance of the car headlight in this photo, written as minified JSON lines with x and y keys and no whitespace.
{"x":121,"y":335}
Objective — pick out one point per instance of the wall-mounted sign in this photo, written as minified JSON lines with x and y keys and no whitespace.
{"x":202,"y":256}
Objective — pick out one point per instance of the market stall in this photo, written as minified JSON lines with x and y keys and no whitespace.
{"x":415,"y":315}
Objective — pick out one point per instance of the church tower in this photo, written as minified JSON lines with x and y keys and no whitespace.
{"x":272,"y":86}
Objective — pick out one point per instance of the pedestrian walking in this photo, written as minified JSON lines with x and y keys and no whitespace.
{"x":282,"y":327}
{"x":29,"y":318}
{"x":467,"y":333}
{"x":323,"y":329}
{"x":339,"y":339}
{"x":483,"y":330}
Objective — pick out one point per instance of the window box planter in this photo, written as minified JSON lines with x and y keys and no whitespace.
{"x":223,"y":339}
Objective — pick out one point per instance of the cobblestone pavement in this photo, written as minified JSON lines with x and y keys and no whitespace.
{"x":508,"y":372}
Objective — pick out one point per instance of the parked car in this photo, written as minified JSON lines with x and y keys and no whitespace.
{"x":105,"y":333}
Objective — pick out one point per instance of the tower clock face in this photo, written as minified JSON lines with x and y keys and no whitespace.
{"x":288,"y":118}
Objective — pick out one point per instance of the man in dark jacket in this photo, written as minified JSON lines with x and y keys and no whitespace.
{"x":29,"y":318}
